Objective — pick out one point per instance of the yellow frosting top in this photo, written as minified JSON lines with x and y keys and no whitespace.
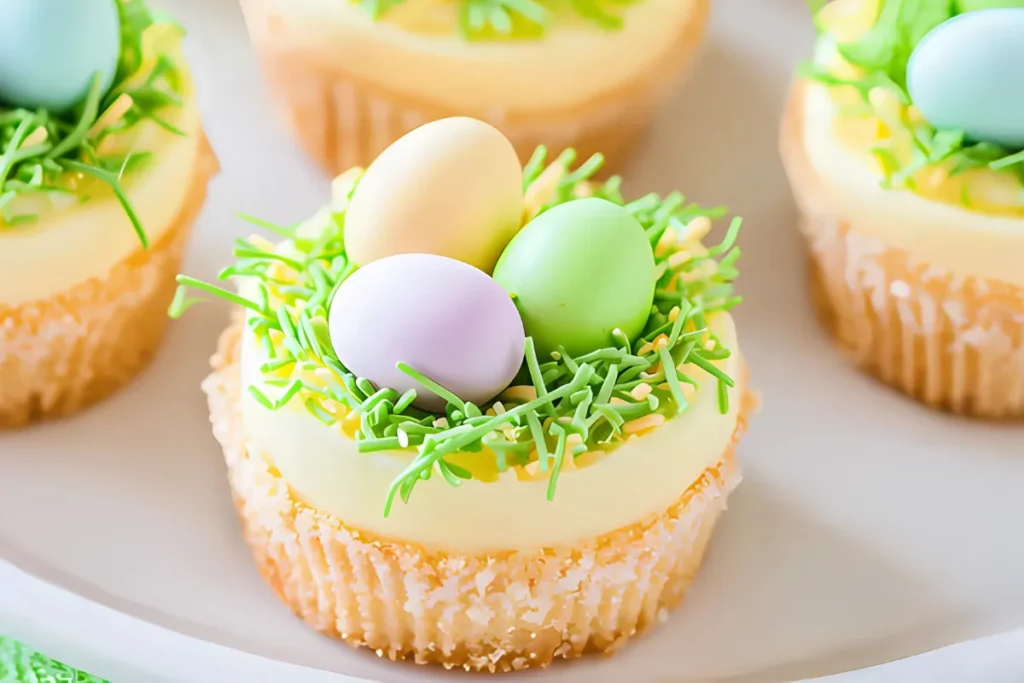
{"x":971,"y":224}
{"x":643,"y":476}
{"x":879,"y":132}
{"x":417,"y":50}
{"x":71,"y":240}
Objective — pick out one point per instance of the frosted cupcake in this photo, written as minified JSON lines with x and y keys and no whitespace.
{"x":103,"y":166}
{"x":903,"y":141}
{"x":352,"y":77}
{"x":487,"y":452}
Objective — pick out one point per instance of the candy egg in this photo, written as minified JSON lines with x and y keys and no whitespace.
{"x":974,"y":5}
{"x":50,"y":50}
{"x":578,"y":271}
{"x":444,"y":318}
{"x":966,"y":75}
{"x":452,"y":187}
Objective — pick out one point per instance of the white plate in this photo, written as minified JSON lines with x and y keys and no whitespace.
{"x":866,"y":528}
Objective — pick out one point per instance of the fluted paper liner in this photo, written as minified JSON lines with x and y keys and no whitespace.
{"x":62,"y":354}
{"x":343,"y":122}
{"x":500,"y":612}
{"x":955,"y":343}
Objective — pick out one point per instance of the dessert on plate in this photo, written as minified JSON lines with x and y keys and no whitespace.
{"x":349,"y":77}
{"x":103,"y":166}
{"x":492,"y":436}
{"x":904,"y":143}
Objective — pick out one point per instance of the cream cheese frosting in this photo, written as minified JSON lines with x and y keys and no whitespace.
{"x":981,"y":239}
{"x":641,"y":477}
{"x":962,"y":241}
{"x":573,"y":63}
{"x":69,"y":245}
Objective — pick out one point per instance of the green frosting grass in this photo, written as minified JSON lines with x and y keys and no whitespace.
{"x":558,"y":407}
{"x":32,"y":162}
{"x":883,"y":53}
{"x":497,"y":19}
{"x":20,"y":664}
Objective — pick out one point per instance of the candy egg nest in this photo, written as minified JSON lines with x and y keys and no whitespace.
{"x":53,"y":160}
{"x":560,"y":412}
{"x":863,"y":58}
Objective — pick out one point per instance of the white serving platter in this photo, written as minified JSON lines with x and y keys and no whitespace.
{"x":866,"y":529}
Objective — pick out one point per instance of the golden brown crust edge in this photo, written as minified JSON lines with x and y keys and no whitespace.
{"x":502,"y":612}
{"x":342,"y":121}
{"x":954,"y":343}
{"x":61,"y":355}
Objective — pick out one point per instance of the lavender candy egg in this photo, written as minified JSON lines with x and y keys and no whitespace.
{"x":442,"y":317}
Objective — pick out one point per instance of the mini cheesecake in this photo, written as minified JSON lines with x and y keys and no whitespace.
{"x":349,"y":84}
{"x":916,"y":273}
{"x":454,"y":508}
{"x":82,"y":300}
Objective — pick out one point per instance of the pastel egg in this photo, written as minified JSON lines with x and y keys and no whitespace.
{"x":578,"y":271}
{"x":974,"y":5}
{"x":50,"y":50}
{"x":966,"y":75}
{"x":452,"y":187}
{"x":442,"y":317}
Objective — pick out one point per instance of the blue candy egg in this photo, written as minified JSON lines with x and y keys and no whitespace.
{"x":968,"y":74}
{"x":50,"y":49}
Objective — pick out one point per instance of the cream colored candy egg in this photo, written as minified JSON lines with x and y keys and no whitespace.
{"x":451,"y":187}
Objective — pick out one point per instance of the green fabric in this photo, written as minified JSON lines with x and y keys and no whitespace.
{"x":20,"y":664}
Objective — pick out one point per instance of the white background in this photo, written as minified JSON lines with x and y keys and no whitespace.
{"x":866,"y":529}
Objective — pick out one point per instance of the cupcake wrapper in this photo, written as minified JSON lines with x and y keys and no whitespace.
{"x":343,"y":122}
{"x":59,"y":355}
{"x":500,"y":612}
{"x":955,"y":343}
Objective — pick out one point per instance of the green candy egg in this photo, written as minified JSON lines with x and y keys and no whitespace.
{"x":50,"y":50}
{"x":577,"y":272}
{"x":974,"y":5}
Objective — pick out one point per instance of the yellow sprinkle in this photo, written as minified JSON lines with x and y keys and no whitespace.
{"x":710,"y":345}
{"x":660,"y":341}
{"x":498,"y":408}
{"x":679,"y":258}
{"x":645,"y":349}
{"x":641,"y":391}
{"x":522,"y":393}
{"x":935,"y":177}
{"x":668,"y":239}
{"x":341,"y":185}
{"x":529,"y":471}
{"x":261,"y":243}
{"x":542,"y":189}
{"x":664,"y":387}
{"x":673,"y":314}
{"x":441,"y":423}
{"x":886,"y":106}
{"x":698,"y":228}
{"x":615,"y":400}
{"x":643,"y":423}
{"x":914,"y":115}
{"x":37,"y":137}
{"x":113,"y":114}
